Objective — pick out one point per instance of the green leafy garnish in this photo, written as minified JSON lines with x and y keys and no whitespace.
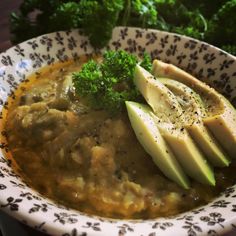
{"x":96,"y":18}
{"x":211,"y":21}
{"x":109,"y":84}
{"x":221,"y":29}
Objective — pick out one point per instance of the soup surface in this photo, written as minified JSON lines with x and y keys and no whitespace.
{"x":90,"y":160}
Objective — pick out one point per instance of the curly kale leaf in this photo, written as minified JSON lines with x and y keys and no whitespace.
{"x":146,"y":12}
{"x":196,"y":27}
{"x":174,"y":16}
{"x":207,"y":8}
{"x":222,"y":25}
{"x":230,"y":49}
{"x":66,"y":16}
{"x":109,"y":84}
{"x":211,"y":21}
{"x":21,"y":28}
{"x":98,"y":18}
{"x":36,"y":18}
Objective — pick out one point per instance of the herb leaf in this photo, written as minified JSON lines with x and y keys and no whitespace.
{"x":109,"y":84}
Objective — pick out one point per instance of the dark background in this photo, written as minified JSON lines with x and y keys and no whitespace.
{"x":6,"y":7}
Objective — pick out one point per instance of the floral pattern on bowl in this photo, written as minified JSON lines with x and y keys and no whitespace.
{"x":208,"y":63}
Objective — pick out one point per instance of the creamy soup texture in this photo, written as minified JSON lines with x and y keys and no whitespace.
{"x":90,"y":160}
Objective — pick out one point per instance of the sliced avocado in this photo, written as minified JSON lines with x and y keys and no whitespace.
{"x":194,"y":111}
{"x":162,"y":101}
{"x":188,"y":154}
{"x":149,"y":136}
{"x":221,"y":116}
{"x":170,"y":120}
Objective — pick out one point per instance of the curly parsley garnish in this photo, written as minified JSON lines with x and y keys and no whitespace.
{"x":109,"y":84}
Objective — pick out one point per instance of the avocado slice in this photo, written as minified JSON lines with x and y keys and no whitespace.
{"x":194,"y":111}
{"x":221,"y":115}
{"x":169,"y":120}
{"x":141,"y":118}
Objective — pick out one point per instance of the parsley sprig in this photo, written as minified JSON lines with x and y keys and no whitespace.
{"x":109,"y":84}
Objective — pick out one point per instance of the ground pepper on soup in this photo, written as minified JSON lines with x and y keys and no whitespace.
{"x":90,"y":160}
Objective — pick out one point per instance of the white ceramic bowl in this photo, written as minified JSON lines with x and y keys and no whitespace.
{"x":19,"y":200}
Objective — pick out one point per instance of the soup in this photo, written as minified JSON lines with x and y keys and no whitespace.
{"x":90,"y":160}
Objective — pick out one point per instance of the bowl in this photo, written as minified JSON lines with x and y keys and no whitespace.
{"x":206,"y":62}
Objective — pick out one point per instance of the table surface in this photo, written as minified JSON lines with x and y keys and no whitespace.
{"x":6,"y":7}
